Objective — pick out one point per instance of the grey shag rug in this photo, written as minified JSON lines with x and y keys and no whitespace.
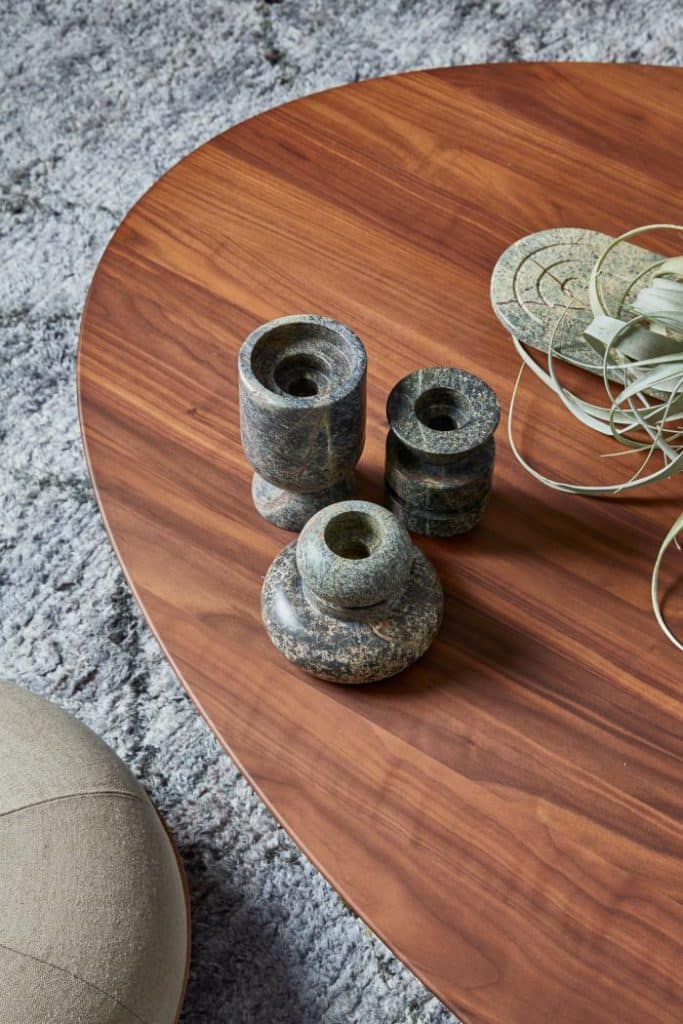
{"x":98,"y":99}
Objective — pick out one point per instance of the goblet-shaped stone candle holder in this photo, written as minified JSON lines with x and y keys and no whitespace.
{"x":302,"y":415}
{"x":440,"y":450}
{"x":352,"y":600}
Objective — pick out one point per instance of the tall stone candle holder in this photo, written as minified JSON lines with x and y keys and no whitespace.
{"x":440,"y":450}
{"x":302,"y":382}
{"x":352,"y":600}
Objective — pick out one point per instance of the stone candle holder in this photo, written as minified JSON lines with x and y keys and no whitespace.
{"x":440,"y":450}
{"x":302,"y":415}
{"x":352,"y":600}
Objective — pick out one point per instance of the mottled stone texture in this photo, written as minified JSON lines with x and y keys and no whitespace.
{"x":302,"y":414}
{"x":539,"y":290}
{"x":290,"y":510}
{"x":440,"y":450}
{"x":98,"y":100}
{"x":352,"y":600}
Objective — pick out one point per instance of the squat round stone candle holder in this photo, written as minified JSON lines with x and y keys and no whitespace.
{"x":353,"y":599}
{"x":440,"y":450}
{"x":302,"y":382}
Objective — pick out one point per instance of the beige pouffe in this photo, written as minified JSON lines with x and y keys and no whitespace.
{"x":93,"y":911}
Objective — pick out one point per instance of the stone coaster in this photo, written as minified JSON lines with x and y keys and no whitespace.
{"x":538,"y":277}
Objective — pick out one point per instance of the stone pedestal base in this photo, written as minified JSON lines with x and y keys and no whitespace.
{"x":291,"y":510}
{"x":353,"y":600}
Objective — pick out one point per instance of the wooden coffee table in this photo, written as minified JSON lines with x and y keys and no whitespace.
{"x":506,"y":815}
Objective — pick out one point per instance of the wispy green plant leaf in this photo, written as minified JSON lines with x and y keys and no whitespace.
{"x":645,"y":414}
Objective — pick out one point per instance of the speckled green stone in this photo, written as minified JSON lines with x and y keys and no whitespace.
{"x":353,"y":600}
{"x":302,"y":382}
{"x":540,"y":286}
{"x":440,"y":450}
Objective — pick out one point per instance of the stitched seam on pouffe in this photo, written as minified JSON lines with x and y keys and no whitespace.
{"x":76,"y":977}
{"x":74,"y":796}
{"x":138,"y":798}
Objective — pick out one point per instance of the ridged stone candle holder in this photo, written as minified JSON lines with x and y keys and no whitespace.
{"x":440,"y":450}
{"x":352,"y":600}
{"x":302,"y":415}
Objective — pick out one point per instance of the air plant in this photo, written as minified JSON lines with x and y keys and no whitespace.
{"x":642,"y":347}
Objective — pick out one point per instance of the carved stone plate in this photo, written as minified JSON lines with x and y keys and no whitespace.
{"x":540,"y":285}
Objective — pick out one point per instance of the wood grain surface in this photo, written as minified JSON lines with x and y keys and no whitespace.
{"x":506,"y":814}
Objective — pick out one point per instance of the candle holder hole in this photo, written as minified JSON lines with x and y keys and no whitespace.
{"x":443,"y":409}
{"x":353,"y":535}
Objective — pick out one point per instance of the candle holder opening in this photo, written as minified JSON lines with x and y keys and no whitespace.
{"x":353,"y":535}
{"x":443,"y":409}
{"x":301,"y":376}
{"x":302,"y":359}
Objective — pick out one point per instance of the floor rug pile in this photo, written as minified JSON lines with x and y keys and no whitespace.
{"x":98,"y":99}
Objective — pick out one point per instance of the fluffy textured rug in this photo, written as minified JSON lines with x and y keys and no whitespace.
{"x":97,"y":100}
